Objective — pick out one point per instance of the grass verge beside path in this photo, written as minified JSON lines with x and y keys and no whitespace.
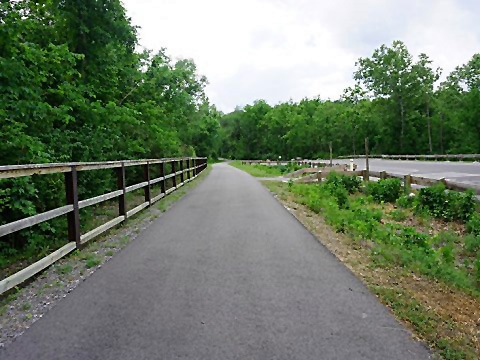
{"x":258,"y":170}
{"x":22,"y":306}
{"x":415,"y":264}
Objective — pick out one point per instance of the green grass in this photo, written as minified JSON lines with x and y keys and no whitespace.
{"x":65,"y":269}
{"x":264,"y":170}
{"x":92,"y":261}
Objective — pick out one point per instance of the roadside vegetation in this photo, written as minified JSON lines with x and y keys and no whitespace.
{"x":419,"y":251}
{"x":259,"y":170}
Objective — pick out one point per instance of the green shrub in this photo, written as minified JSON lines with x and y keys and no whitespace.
{"x":472,"y":243}
{"x":386,"y":190}
{"x":340,"y":194}
{"x":405,"y":201}
{"x":350,"y":183}
{"x":476,"y":266}
{"x":398,"y":215}
{"x":444,"y":204}
{"x":473,"y":224}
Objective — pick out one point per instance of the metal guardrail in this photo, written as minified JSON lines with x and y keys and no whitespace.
{"x":182,"y":170}
{"x":435,"y":157}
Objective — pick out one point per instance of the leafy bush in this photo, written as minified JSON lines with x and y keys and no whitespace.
{"x":444,"y":204}
{"x":405,"y":201}
{"x":398,"y":215}
{"x":386,"y":190}
{"x":473,"y":224}
{"x":472,"y":243}
{"x":350,"y":183}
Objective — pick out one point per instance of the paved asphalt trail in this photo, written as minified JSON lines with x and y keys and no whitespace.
{"x":227,"y":273}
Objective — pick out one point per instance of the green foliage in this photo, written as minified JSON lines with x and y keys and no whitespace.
{"x":398,"y":215}
{"x":405,"y":201}
{"x":259,"y":170}
{"x":444,"y":204}
{"x":472,"y":244}
{"x":386,"y":190}
{"x":393,"y":244}
{"x":396,"y":102}
{"x":74,"y":89}
{"x":350,"y":183}
{"x":473,"y":224}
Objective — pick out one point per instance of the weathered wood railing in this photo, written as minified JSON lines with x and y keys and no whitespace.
{"x":187,"y":170}
{"x":408,"y":180}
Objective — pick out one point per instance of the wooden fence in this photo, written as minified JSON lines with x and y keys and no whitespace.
{"x":408,"y":180}
{"x":182,"y":170}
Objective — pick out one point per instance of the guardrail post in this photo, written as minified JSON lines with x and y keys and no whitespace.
{"x":182,"y":177}
{"x":162,"y":174}
{"x":383,"y":175}
{"x":195,"y":170}
{"x":73,"y":218}
{"x":122,"y":203}
{"x":174,"y":170}
{"x":146,"y":189}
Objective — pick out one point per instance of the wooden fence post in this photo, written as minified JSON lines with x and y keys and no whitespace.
{"x":383,"y":175}
{"x":365,"y":175}
{"x":182,"y":177}
{"x":174,"y":170}
{"x":146,"y":189}
{"x":73,"y":218}
{"x":122,"y":204}
{"x":407,"y":182}
{"x":162,"y":174}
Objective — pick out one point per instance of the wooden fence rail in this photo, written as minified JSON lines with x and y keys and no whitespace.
{"x":186,"y":168}
{"x":408,"y":180}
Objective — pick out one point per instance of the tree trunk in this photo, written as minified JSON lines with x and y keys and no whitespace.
{"x":429,"y":124}
{"x":402,"y":117}
{"x":442,"y":118}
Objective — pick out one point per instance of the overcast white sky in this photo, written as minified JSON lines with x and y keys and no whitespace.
{"x":289,"y":49}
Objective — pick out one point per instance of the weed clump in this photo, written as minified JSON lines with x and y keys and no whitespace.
{"x":447,"y":205}
{"x":385,"y":190}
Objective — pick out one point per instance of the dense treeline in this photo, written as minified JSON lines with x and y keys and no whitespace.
{"x":396,"y":102}
{"x":74,"y":88}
